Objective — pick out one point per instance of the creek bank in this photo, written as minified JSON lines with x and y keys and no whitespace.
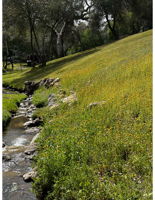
{"x":13,"y":89}
{"x":19,"y":146}
{"x":18,"y":154}
{"x":10,"y":109}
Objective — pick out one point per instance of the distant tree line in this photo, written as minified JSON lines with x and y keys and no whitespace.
{"x":50,"y":29}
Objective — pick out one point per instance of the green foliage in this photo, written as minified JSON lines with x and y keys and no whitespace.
{"x":89,"y":39}
{"x":10,"y":102}
{"x":40,"y":97}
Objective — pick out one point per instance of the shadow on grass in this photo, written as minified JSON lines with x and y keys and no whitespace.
{"x":41,"y":72}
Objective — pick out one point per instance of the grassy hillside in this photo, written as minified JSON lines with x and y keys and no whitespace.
{"x":102,"y":153}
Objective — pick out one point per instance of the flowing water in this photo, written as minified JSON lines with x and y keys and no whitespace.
{"x":15,"y":162}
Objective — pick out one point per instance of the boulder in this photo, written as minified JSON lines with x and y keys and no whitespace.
{"x":3,"y":144}
{"x":29,"y":176}
{"x":51,"y":100}
{"x":54,"y":106}
{"x":6,"y":157}
{"x":30,"y":87}
{"x":70,"y":99}
{"x":33,"y":123}
{"x":91,"y":105}
{"x":18,"y":115}
{"x":32,"y":107}
{"x":34,"y":138}
{"x":62,"y":93}
{"x":33,"y":130}
{"x":31,"y":157}
{"x":56,"y":80}
{"x":31,"y":149}
{"x":48,"y":82}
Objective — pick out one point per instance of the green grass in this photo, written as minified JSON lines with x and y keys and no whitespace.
{"x":10,"y":102}
{"x":104,"y":153}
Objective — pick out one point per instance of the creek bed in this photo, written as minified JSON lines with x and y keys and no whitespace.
{"x":15,"y":161}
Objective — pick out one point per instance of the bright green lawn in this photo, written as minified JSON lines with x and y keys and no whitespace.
{"x":104,"y":153}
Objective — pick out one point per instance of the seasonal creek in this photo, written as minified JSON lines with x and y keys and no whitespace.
{"x":17,"y":138}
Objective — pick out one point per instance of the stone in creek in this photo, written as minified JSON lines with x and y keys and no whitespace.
{"x":32,"y":107}
{"x":30,"y":149}
{"x":33,"y":123}
{"x":30,"y":87}
{"x":22,"y":105}
{"x":18,"y":115}
{"x":3,"y":144}
{"x":29,"y":111}
{"x":14,"y":187}
{"x":6,"y":157}
{"x":31,"y":157}
{"x":21,"y":112}
{"x":34,"y":138}
{"x":28,"y":177}
{"x":29,"y":115}
{"x":32,"y":130}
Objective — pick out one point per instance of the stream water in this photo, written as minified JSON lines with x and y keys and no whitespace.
{"x":15,"y":161}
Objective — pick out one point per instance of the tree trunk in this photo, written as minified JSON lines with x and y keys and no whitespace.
{"x":60,"y":50}
{"x":59,"y":45}
{"x":6,"y":58}
{"x":31,"y":38}
{"x":6,"y":63}
{"x":112,"y":28}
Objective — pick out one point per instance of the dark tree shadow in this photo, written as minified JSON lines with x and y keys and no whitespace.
{"x":41,"y":72}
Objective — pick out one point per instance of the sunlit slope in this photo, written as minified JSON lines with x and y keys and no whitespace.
{"x":104,"y":152}
{"x":116,"y":64}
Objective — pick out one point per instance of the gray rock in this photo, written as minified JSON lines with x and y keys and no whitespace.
{"x":51,"y":99}
{"x":22,"y":105}
{"x":33,"y":123}
{"x":3,"y":144}
{"x":6,"y":157}
{"x":32,"y":107}
{"x":18,"y":115}
{"x":56,"y":80}
{"x":31,"y":157}
{"x":62,"y":92}
{"x":29,"y":116}
{"x":31,"y":149}
{"x":26,"y":124}
{"x":28,"y":177}
{"x":33,"y":130}
{"x":21,"y":110}
{"x":14,"y":187}
{"x":91,"y":105}
{"x":47,"y":82}
{"x":34,"y":138}
{"x":54,"y":106}
{"x":30,"y":87}
{"x":70,"y":99}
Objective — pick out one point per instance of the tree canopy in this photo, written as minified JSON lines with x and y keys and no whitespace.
{"x":55,"y":28}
